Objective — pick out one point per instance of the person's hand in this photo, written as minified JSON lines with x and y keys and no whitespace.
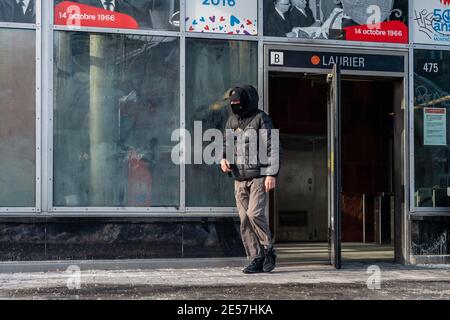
{"x":225,"y":165}
{"x":270,"y":183}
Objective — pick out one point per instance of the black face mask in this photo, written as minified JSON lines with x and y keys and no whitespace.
{"x":237,"y":108}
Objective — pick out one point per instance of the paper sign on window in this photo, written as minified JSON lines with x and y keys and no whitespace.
{"x":435,"y":126}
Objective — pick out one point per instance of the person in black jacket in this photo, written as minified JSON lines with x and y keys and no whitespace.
{"x":301,"y":14}
{"x":251,"y":155}
{"x":21,"y":11}
{"x":277,"y":23}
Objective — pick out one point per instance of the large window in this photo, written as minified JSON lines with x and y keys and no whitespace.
{"x":116,"y":104}
{"x":213,"y":67}
{"x":431,"y":123}
{"x":17,"y":118}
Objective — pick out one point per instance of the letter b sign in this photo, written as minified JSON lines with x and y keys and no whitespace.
{"x":276,"y":58}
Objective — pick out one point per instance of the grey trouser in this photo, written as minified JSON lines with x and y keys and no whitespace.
{"x":251,"y":200}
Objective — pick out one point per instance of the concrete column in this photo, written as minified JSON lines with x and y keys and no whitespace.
{"x":103,"y":123}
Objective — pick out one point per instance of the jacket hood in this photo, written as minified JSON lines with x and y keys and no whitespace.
{"x":253,"y":96}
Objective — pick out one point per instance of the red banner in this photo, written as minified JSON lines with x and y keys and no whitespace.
{"x":390,"y":31}
{"x":75,"y":15}
{"x":435,"y":110}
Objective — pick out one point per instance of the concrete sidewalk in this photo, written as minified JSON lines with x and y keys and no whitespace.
{"x":354,"y":281}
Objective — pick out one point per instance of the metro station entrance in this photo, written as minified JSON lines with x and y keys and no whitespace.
{"x":340,"y":191}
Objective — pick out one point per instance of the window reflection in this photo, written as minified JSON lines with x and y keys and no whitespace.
{"x":213,"y":67}
{"x":17,"y":118}
{"x":431,"y":126}
{"x":116,"y":105}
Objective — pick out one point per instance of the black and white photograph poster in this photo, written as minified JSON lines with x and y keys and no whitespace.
{"x":353,"y":20}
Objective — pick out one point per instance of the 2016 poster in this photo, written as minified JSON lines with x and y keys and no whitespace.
{"x":222,"y":16}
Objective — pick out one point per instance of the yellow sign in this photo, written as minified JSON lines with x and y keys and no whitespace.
{"x":331,"y":162}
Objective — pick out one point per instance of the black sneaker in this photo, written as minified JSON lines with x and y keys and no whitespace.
{"x":256,"y":266}
{"x":270,"y":260}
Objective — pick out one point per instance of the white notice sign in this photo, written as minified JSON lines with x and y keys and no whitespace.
{"x":435,"y":126}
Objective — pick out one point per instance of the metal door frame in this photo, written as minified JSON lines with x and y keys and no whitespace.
{"x":404,"y":237}
{"x":334,"y":134}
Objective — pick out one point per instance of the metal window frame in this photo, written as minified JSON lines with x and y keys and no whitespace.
{"x":339,"y":43}
{"x":33,"y":211}
{"x":415,"y":210}
{"x":410,"y":104}
{"x":113,"y":211}
{"x":49,"y":107}
{"x":16,"y":25}
{"x":106,"y":211}
{"x":173,"y":211}
{"x":182,"y":183}
{"x":220,"y":211}
{"x":144,"y":32}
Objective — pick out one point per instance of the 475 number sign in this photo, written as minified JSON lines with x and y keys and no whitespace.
{"x":429,"y":68}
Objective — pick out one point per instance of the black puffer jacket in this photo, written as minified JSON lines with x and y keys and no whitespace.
{"x":239,"y":130}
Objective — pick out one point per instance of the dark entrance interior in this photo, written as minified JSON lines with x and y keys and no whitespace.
{"x":299,"y":208}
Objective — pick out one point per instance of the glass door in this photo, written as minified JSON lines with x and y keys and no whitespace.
{"x":334,"y":166}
